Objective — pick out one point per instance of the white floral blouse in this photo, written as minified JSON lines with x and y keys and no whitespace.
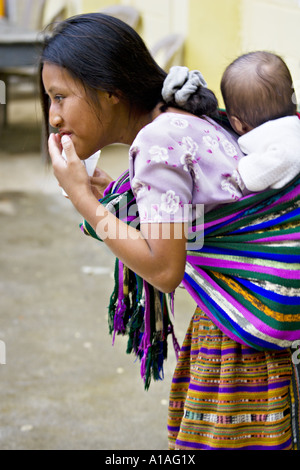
{"x":181,"y":160}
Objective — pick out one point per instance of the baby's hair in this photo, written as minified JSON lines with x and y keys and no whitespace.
{"x":258,"y":87}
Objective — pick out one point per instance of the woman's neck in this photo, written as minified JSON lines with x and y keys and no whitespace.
{"x":134,"y":122}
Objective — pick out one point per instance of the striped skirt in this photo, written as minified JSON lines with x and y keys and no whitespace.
{"x":225,"y":395}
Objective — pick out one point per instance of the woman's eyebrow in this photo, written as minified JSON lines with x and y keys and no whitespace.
{"x":52,"y":90}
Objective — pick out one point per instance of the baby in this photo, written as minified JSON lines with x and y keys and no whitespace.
{"x":258,"y":93}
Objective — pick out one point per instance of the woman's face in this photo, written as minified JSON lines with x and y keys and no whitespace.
{"x":71,"y":112}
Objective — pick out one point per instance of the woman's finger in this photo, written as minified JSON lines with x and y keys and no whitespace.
{"x":55,"y":150}
{"x":69,"y":148}
{"x":101,"y":178}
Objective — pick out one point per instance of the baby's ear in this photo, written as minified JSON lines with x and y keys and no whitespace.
{"x":239,"y":126}
{"x":236,"y":124}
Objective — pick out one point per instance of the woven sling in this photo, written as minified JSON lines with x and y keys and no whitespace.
{"x":246,"y":277}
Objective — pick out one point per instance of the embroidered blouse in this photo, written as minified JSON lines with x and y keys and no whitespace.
{"x":178,"y":161}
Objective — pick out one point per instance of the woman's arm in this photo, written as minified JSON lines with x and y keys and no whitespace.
{"x":158,"y":256}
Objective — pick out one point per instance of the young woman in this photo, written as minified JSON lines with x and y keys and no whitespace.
{"x":101,"y":86}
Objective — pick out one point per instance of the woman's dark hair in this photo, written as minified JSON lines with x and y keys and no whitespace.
{"x":202,"y":102}
{"x":106,"y":54}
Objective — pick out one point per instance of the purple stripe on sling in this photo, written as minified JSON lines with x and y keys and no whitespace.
{"x":278,"y":238}
{"x":218,"y":263}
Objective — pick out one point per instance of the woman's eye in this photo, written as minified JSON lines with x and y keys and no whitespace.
{"x":58,"y":98}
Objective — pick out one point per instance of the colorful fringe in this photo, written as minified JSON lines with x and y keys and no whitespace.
{"x":136,"y":308}
{"x":246,"y":278}
{"x":227,"y":396}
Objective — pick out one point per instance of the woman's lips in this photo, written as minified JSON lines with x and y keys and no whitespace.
{"x":65,"y":133}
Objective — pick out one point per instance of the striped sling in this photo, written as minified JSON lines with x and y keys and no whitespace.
{"x":246,"y":277}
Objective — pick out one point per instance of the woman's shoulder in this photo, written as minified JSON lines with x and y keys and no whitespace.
{"x":178,"y":120}
{"x":174,"y":125}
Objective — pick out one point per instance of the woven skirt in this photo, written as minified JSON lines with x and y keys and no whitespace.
{"x":228,"y":396}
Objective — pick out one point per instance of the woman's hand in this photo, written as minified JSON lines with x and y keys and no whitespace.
{"x":71,"y":173}
{"x":99,"y":182}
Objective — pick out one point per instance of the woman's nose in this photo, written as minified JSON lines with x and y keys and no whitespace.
{"x":55,"y":118}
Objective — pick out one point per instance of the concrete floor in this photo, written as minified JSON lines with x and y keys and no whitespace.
{"x":64,"y":387}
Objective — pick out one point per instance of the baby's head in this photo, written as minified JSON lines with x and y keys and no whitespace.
{"x":256,"y":88}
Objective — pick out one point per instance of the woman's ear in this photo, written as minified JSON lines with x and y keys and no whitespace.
{"x":114,"y":98}
{"x":110,"y":98}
